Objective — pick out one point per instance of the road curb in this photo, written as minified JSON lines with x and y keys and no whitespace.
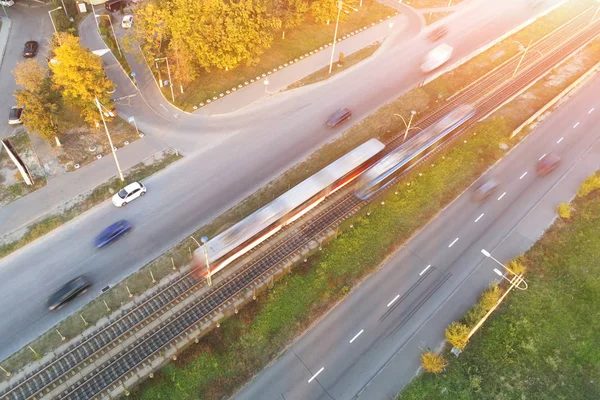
{"x":6,"y":26}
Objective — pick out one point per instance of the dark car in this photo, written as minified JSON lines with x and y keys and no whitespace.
{"x":30,"y":49}
{"x":112,"y":233}
{"x":438,"y":33}
{"x":14,"y":115}
{"x":68,"y":292}
{"x":115,"y":5}
{"x":484,"y":189}
{"x":338,"y":117}
{"x":547,"y":164}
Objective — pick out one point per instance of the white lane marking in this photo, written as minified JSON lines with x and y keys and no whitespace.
{"x":501,"y":196}
{"x":315,"y":375}
{"x":543,"y":155}
{"x":357,"y":335}
{"x":478,"y":218}
{"x":164,"y":108}
{"x":176,"y":115}
{"x":560,"y":140}
{"x":393,"y":300}
{"x":452,"y":244}
{"x":523,"y":176}
{"x":576,"y":125}
{"x":426,"y":268}
{"x":591,"y":110}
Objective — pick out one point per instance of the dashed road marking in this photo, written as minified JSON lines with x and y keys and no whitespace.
{"x":357,"y":335}
{"x":164,"y":108}
{"x":523,"y":176}
{"x":591,"y":110}
{"x":543,"y":155}
{"x":501,"y":196}
{"x":426,"y":268}
{"x":176,"y":115}
{"x":315,"y":375}
{"x":560,"y":140}
{"x":576,"y":125}
{"x":452,"y":244}
{"x":478,"y":218}
{"x":393,"y":300}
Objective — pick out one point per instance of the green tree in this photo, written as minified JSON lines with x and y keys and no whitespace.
{"x":79,"y":75}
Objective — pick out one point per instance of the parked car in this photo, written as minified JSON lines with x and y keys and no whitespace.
{"x":128,"y":194}
{"x":127,"y":21}
{"x":437,"y":33}
{"x":485,"y":188}
{"x":7,"y":3}
{"x":14,"y":115}
{"x":112,"y":233}
{"x":68,"y":292}
{"x":115,"y":5}
{"x":31,"y":48}
{"x":338,"y":117}
{"x":547,"y":164}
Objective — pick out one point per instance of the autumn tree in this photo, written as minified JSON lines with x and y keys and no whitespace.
{"x":37,"y":97}
{"x":289,"y":13}
{"x":79,"y":75}
{"x":326,"y":11}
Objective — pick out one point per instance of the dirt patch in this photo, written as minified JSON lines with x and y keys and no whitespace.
{"x":561,"y":74}
{"x":12,"y":185}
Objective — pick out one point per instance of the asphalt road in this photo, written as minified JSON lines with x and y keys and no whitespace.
{"x":372,"y":340}
{"x":28,"y":23}
{"x":247,"y":149}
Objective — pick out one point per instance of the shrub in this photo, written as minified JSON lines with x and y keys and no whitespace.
{"x":433,"y":362}
{"x":490,"y":297}
{"x":591,"y":184}
{"x":475,"y":314}
{"x":457,"y":334}
{"x":517,"y":265}
{"x":564,"y":210}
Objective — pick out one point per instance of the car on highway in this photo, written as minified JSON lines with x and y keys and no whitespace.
{"x":437,"y":33}
{"x":338,"y":117}
{"x":485,"y":188}
{"x":437,"y":57}
{"x":31,"y":48}
{"x":127,"y":21}
{"x":112,"y":233}
{"x":14,"y":115}
{"x":7,"y":3}
{"x":128,"y":194}
{"x":547,"y":164}
{"x":68,"y":292}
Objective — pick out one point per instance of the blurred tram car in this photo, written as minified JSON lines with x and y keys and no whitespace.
{"x":381,"y":174}
{"x":293,"y":204}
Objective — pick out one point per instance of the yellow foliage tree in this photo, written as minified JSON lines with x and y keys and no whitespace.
{"x":564,"y":210}
{"x":591,"y":184}
{"x":433,"y":362}
{"x":79,"y":75}
{"x":29,"y":74}
{"x":457,"y":334}
{"x":490,"y":297}
{"x":517,"y":265}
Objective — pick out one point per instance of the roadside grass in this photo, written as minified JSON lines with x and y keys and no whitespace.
{"x":87,"y":201}
{"x":12,"y":185}
{"x":381,"y":124}
{"x":82,"y":143}
{"x":347,"y":62}
{"x":308,"y":37}
{"x":109,"y":39}
{"x":542,"y":343}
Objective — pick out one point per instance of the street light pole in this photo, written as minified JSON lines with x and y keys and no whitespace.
{"x":337,"y":22}
{"x":521,"y":60}
{"x":519,"y":277}
{"x":64,"y":8}
{"x":51,"y":20}
{"x":109,"y":139}
{"x":113,"y":31}
{"x":204,"y":241}
{"x":169,"y":73}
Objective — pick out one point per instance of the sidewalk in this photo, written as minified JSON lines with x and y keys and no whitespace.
{"x":66,"y":187}
{"x":4,"y":32}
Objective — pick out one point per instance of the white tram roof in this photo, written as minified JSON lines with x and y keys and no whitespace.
{"x":270,"y":213}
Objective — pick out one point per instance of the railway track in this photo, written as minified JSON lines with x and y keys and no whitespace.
{"x":499,"y":87}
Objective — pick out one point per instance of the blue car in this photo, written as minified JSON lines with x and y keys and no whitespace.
{"x":112,"y":233}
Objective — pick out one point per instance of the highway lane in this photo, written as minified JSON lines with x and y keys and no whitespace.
{"x":377,"y":320}
{"x":254,"y":146}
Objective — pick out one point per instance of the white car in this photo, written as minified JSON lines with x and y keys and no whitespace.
{"x":128,"y":194}
{"x":437,"y":57}
{"x":127,"y":21}
{"x":7,"y":3}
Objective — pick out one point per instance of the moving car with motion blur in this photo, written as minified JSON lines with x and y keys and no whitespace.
{"x":112,"y":233}
{"x":437,"y":33}
{"x":437,"y":57}
{"x":68,"y":292}
{"x":128,"y":194}
{"x":338,"y":117}
{"x":547,"y":164}
{"x":485,"y":188}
